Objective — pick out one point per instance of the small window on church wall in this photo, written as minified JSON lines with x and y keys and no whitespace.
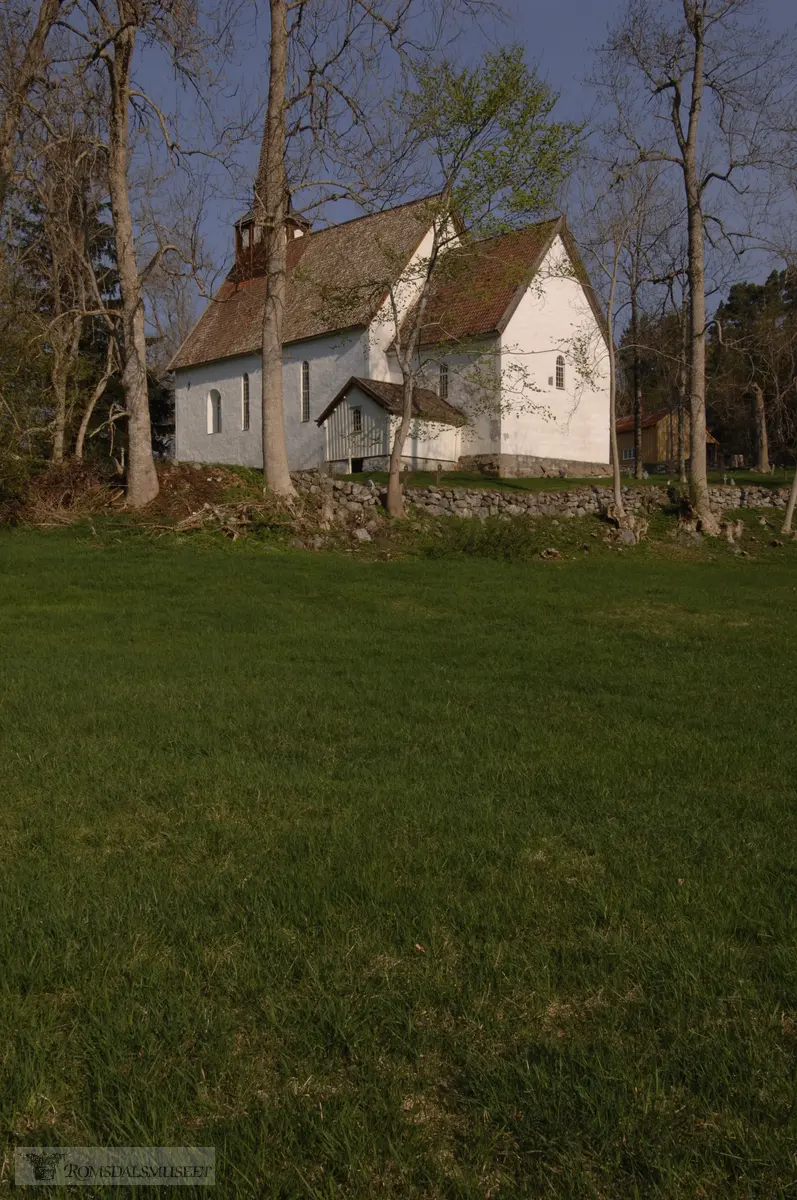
{"x":356,"y":420}
{"x":245,"y":403}
{"x":560,"y":372}
{"x":214,"y":411}
{"x":305,"y":391}
{"x":443,"y":391}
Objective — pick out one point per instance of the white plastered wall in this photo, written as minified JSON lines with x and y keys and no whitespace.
{"x":333,"y":360}
{"x":568,"y":424}
{"x":429,"y":441}
{"x":192,"y":386}
{"x":382,"y":363}
{"x":473,"y":382}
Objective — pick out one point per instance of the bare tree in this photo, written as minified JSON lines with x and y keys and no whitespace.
{"x":792,"y":502}
{"x":120,"y":28}
{"x":617,"y":240}
{"x":271,"y":199}
{"x":59,"y":201}
{"x":332,"y":65}
{"x":683,"y":390}
{"x":652,"y":215}
{"x":97,"y":392}
{"x":21,"y":79}
{"x":786,"y":234}
{"x":315,"y":79}
{"x":695,"y":77}
{"x":615,"y":210}
{"x":108,"y":34}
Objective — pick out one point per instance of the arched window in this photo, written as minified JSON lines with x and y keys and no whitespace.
{"x":214,"y":411}
{"x":443,"y":389}
{"x":560,"y":372}
{"x":305,"y":391}
{"x":245,"y":403}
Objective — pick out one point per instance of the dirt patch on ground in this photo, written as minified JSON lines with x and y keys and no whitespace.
{"x":184,"y":489}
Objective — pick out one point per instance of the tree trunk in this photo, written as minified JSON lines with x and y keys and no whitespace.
{"x":395,"y":498}
{"x":58,"y":385}
{"x":406,"y":360}
{"x":96,"y":396}
{"x":762,"y":442}
{"x":270,"y":214}
{"x":29,"y":67}
{"x":616,"y":480}
{"x":65,"y":349}
{"x":787,"y":520}
{"x":639,"y":466}
{"x":617,"y":483}
{"x":697,"y":374}
{"x":683,"y":383}
{"x":681,"y":442}
{"x":142,"y":479}
{"x":697,"y":287}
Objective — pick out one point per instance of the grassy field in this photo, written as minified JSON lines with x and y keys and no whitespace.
{"x":423,"y":878}
{"x":780,"y":477}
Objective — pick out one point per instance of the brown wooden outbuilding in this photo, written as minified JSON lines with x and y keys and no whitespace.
{"x":660,"y":441}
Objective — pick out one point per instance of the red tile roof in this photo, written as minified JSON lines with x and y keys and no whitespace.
{"x":338,"y":279}
{"x":426,"y":404}
{"x":367,"y":254}
{"x":480,"y":284}
{"x":477,"y":282}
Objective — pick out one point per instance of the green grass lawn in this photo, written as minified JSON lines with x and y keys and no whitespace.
{"x":780,"y":477}
{"x":421,"y":878}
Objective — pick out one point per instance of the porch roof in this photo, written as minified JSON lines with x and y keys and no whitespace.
{"x":426,"y":404}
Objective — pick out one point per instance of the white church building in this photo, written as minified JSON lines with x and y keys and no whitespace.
{"x":513,"y":369}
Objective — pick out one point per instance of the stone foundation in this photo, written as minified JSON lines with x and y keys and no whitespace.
{"x":520,"y":466}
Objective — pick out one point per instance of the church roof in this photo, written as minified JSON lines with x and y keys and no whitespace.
{"x":426,"y":404}
{"x":366,"y":255}
{"x":476,"y":284}
{"x":479,"y":284}
{"x":338,"y":278}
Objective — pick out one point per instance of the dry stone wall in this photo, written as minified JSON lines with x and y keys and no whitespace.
{"x":366,"y":499}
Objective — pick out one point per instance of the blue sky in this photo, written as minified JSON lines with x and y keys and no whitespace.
{"x":559,"y":38}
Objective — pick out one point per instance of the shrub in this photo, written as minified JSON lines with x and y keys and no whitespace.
{"x":494,"y":538}
{"x":16,"y":473}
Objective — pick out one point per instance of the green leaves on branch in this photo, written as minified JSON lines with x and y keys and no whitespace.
{"x":501,"y":160}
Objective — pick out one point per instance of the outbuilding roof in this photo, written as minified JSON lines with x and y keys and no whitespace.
{"x":426,"y":404}
{"x":649,"y":420}
{"x":626,"y":424}
{"x":337,"y":279}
